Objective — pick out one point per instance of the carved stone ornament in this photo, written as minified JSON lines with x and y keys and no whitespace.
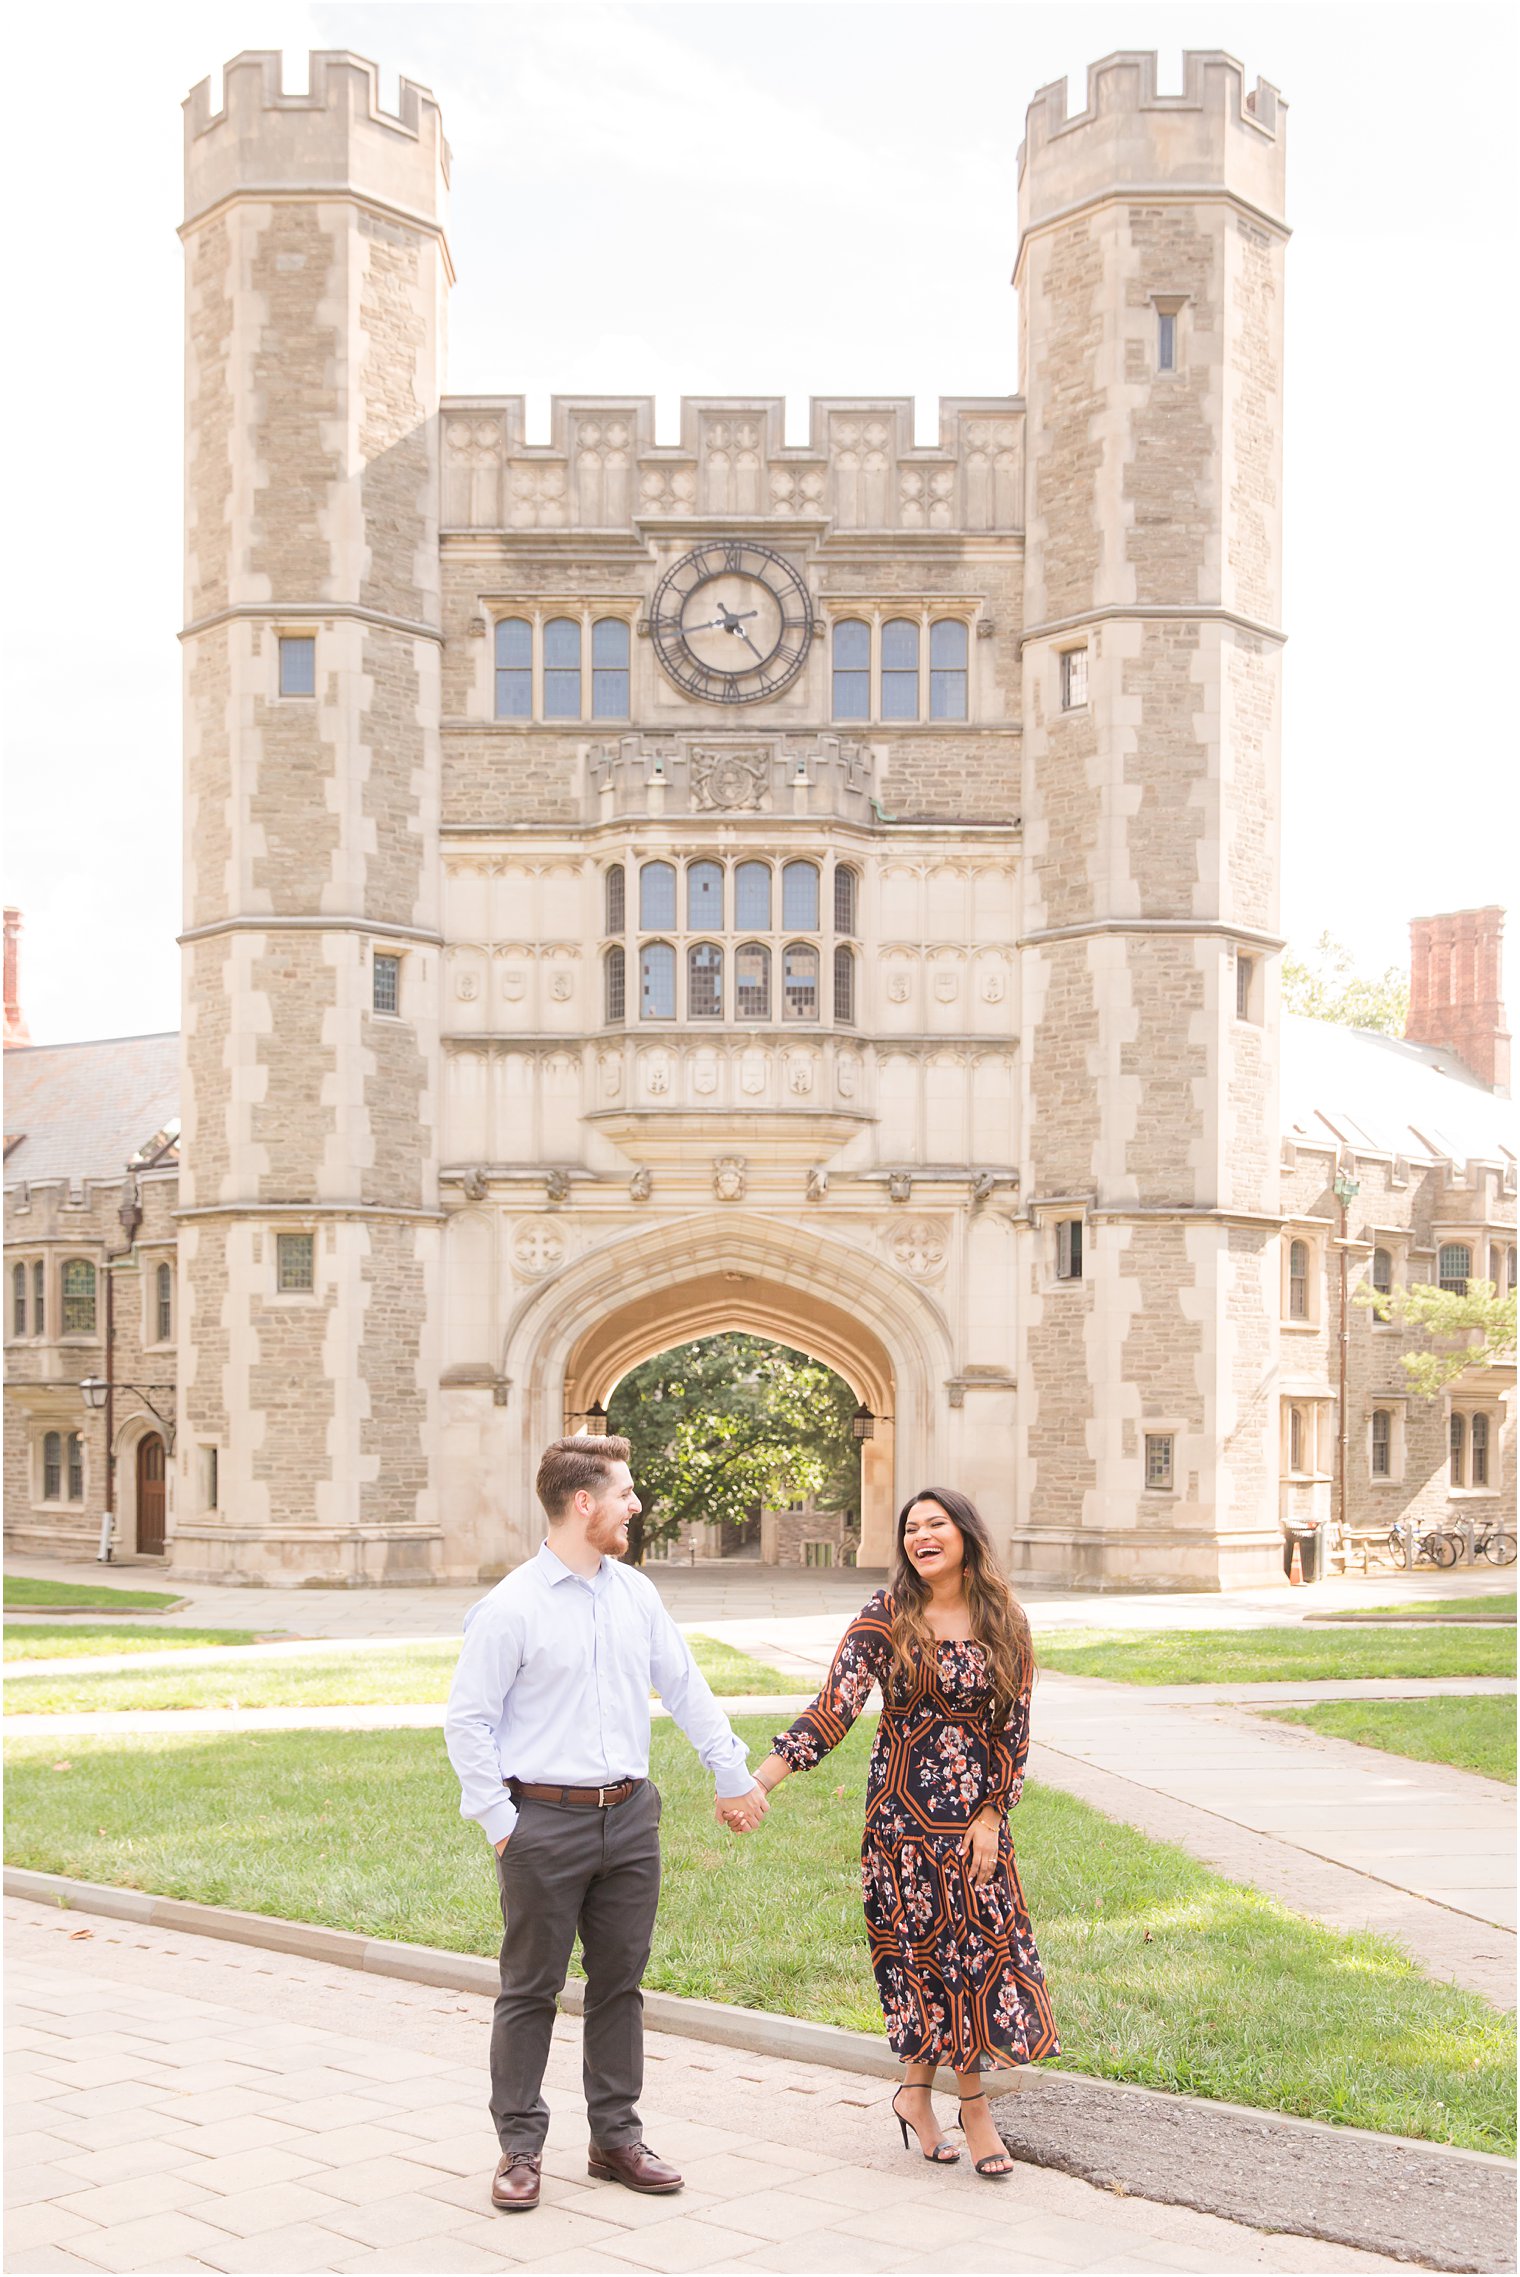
{"x":846,"y":1075}
{"x":899,"y":986}
{"x":641,"y":1185}
{"x":817,"y":1183}
{"x":538,"y":1249}
{"x":474,"y":1184}
{"x":919,"y":1249}
{"x":514,"y":983}
{"x":799,"y":1075}
{"x":704,"y":1077}
{"x":557,"y":1185}
{"x":946,"y":984}
{"x":731,"y":779}
{"x":730,"y":1176}
{"x":467,"y":987}
{"x":900,"y":1186}
{"x":992,"y":986}
{"x":612,"y":1074}
{"x":657,"y":1075}
{"x":752,"y":1080}
{"x":562,"y":986}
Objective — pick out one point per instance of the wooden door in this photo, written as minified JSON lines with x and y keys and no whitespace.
{"x":150,"y":1496}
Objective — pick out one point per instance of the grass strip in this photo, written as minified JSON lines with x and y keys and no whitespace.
{"x":23,"y":1592}
{"x":1475,"y":1735}
{"x":1266,"y":1656}
{"x":1430,"y":1609}
{"x":412,"y":1675}
{"x":1161,"y":1971}
{"x":86,"y":1640}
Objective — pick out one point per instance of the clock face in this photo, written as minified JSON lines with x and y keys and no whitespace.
{"x":732,"y":622}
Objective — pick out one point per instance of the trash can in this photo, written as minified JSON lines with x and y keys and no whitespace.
{"x":1308,"y":1550}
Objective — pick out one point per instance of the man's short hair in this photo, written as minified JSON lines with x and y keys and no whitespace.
{"x":570,"y":1464}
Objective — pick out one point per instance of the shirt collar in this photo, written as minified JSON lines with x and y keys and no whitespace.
{"x":555,"y":1570}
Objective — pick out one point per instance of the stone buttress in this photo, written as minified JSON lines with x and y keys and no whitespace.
{"x":317,"y":275}
{"x":1150,"y":287}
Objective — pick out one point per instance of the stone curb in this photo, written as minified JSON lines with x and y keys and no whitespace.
{"x":755,"y":2030}
{"x":95,"y":1612}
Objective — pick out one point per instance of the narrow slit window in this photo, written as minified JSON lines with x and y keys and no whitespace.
{"x":617,"y":971}
{"x":39,"y":1297}
{"x":852,"y":669}
{"x":18,"y":1300}
{"x":1073,"y":679}
{"x":844,"y":986}
{"x":657,"y":981}
{"x":846,"y":896}
{"x":298,"y":665}
{"x":1298,"y":1281}
{"x":52,"y":1466}
{"x":562,"y":669}
{"x":1166,"y":339}
{"x":1382,"y":1282}
{"x":164,"y":1303}
{"x":1296,"y":1438}
{"x":1382,"y":1443}
{"x":899,"y":669}
{"x":1069,"y":1249}
{"x":387,"y":984}
{"x":74,"y":1450}
{"x":617,"y":900}
{"x":1478,"y":1440}
{"x":1158,"y":1461}
{"x":609,"y":668}
{"x":1459,"y":1450}
{"x":514,"y":669}
{"x":947,"y":669}
{"x":296,"y":1262}
{"x":752,"y":981}
{"x":1245,"y":973}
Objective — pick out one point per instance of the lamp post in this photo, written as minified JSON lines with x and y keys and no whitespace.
{"x":1346,"y":1190}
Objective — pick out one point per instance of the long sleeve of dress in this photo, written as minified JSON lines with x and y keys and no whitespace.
{"x":1008,"y":1754}
{"x":862,"y":1660}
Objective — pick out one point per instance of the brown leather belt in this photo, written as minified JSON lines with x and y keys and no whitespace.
{"x":585,"y":1798}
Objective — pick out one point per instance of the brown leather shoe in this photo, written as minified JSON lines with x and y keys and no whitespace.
{"x":515,"y":2187}
{"x":636,"y":2167}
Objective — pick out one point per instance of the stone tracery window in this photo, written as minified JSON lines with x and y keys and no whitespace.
{"x":1382,"y":1443}
{"x":514,"y":668}
{"x":79,"y":1297}
{"x":1454,"y":1267}
{"x":704,"y":896}
{"x":846,"y":885}
{"x":752,"y":897}
{"x":657,"y":981}
{"x":948,"y":669}
{"x":799,"y":981}
{"x":657,"y":895}
{"x":1298,"y":1280}
{"x":18,"y":1300}
{"x":852,"y":669}
{"x":704,"y":981}
{"x":899,"y":668}
{"x":164,"y":1303}
{"x":52,"y":1466}
{"x":609,"y":668}
{"x":1478,"y":1442}
{"x":752,"y":981}
{"x":74,"y":1452}
{"x":799,"y":897}
{"x":616,"y":973}
{"x":39,"y":1297}
{"x":616,"y":890}
{"x":844,"y":986}
{"x":562,"y":668}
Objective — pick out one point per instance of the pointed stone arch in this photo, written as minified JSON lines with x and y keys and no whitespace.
{"x":664,"y":1284}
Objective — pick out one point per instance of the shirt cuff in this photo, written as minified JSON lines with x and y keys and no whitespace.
{"x":499,"y":1820}
{"x":735,"y":1779}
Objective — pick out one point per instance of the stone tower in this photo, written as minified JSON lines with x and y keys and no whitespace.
{"x":317,"y":277}
{"x":1150,"y":288}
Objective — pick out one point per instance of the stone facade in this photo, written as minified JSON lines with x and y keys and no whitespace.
{"x":919,"y":1011}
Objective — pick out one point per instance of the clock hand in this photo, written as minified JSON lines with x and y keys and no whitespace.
{"x":749,"y":644}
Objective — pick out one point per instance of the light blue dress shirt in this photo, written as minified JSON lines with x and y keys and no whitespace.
{"x":553,"y":1686}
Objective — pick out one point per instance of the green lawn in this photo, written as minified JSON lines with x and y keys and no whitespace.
{"x":1475,"y":1735}
{"x":1161,"y":1971}
{"x":1262,"y":1656}
{"x":402,"y":1675}
{"x":23,"y":1592}
{"x":1499,"y":1608}
{"x":85,"y":1640}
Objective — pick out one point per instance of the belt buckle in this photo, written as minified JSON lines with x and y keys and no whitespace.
{"x":601,"y":1798}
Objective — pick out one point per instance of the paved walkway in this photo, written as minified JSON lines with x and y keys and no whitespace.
{"x":177,"y":2104}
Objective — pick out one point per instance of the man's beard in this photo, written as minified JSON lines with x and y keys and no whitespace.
{"x":609,"y":1535}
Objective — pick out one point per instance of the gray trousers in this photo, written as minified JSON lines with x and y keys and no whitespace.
{"x":569,"y":1869}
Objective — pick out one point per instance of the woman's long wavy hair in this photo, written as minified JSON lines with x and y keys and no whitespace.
{"x":998,"y":1621}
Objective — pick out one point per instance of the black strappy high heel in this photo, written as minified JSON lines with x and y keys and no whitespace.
{"x":988,"y":2167}
{"x":944,"y":2152}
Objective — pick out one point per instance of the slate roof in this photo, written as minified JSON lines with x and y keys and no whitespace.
{"x":1387,"y":1096}
{"x":78,"y":1111}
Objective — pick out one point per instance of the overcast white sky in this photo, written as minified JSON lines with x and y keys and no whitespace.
{"x":742,"y":195}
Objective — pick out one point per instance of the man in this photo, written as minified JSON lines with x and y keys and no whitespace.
{"x":548,"y":1729}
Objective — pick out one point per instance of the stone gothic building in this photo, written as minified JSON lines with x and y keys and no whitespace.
{"x":641,"y":887}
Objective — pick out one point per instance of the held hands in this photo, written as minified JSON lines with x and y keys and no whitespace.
{"x":979,"y":1847}
{"x":741,"y":1814}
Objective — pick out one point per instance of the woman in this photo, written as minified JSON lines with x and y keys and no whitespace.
{"x":956,"y":1967}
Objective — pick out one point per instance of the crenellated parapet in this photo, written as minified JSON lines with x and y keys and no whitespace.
{"x":1129,"y":138}
{"x":860,"y":468}
{"x":336,"y":135}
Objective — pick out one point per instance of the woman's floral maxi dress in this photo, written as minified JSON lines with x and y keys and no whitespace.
{"x":956,"y":1967}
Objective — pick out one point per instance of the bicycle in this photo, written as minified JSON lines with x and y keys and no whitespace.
{"x":1492,"y":1542}
{"x":1429,"y":1542}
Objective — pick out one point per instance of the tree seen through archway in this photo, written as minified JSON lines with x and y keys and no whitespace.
{"x":728,"y":1423}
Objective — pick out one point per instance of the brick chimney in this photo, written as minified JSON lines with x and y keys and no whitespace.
{"x":1454,"y":986}
{"x":15,"y":1025}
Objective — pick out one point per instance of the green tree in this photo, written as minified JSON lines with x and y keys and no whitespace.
{"x":727,"y":1423}
{"x":1466,"y":1329}
{"x":1327,"y":986}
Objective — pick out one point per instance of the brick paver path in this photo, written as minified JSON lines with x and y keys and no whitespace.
{"x":179,"y":2104}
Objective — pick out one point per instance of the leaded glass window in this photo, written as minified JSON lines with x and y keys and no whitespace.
{"x":704,"y":897}
{"x":899,"y":669}
{"x":844,"y":985}
{"x":39,"y":1297}
{"x":1382,"y":1443}
{"x":704,"y":981}
{"x":74,"y":1449}
{"x":562,"y":668}
{"x":947,"y":669}
{"x":752,"y":981}
{"x":1073,"y":679}
{"x":657,"y":981}
{"x":617,"y":900}
{"x":799,"y":982}
{"x":164,"y":1303}
{"x":846,"y":884}
{"x":387,"y":984}
{"x":1479,"y":1443}
{"x":1454,"y":1267}
{"x":616,"y":984}
{"x":514,"y":668}
{"x":52,"y":1466}
{"x":752,"y":897}
{"x":799,"y":897}
{"x":657,"y":895}
{"x":1458,"y":1450}
{"x":18,"y":1300}
{"x":296,"y":1262}
{"x":609,"y":668}
{"x":1298,"y":1280}
{"x":78,"y":1297}
{"x":298,"y":665}
{"x":1382,"y":1282}
{"x":1158,"y":1461}
{"x":852,"y":669}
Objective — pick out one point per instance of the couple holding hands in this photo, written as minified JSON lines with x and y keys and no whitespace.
{"x":548,"y":1730}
